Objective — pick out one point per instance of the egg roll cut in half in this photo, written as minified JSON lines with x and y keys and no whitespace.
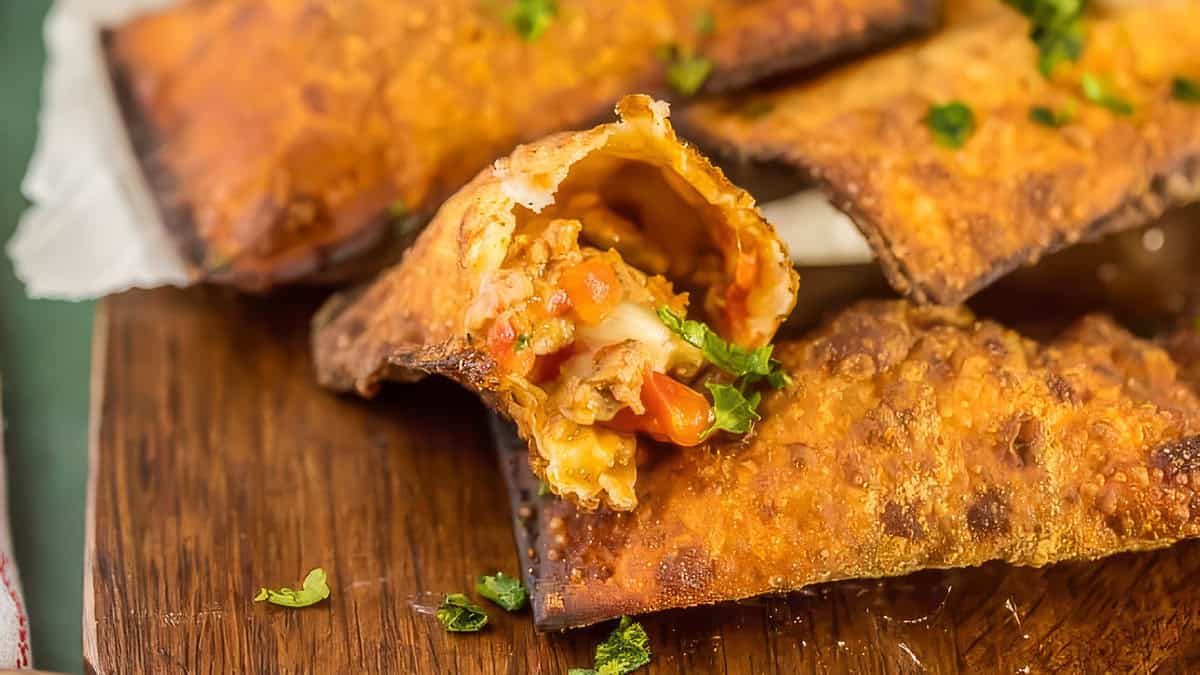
{"x":539,"y":285}
{"x":911,"y":437}
{"x":1101,"y":145}
{"x":289,"y":137}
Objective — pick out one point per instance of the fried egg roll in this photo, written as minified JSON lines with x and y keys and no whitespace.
{"x":539,"y":286}
{"x":911,"y":437}
{"x":1097,"y":146}
{"x":283,"y":138}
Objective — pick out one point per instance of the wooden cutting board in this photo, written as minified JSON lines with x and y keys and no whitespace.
{"x":218,"y":466}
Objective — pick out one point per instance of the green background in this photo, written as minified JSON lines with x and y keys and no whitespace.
{"x":44,"y":358}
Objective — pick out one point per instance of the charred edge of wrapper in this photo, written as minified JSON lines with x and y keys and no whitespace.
{"x":804,"y":58}
{"x":332,"y":263}
{"x":525,"y":505}
{"x":1174,"y":187}
{"x":1134,"y":211}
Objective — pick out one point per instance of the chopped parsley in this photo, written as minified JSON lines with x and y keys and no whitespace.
{"x":218,"y":263}
{"x":687,"y":73}
{"x":502,"y":590}
{"x":398,"y":209}
{"x":756,"y":109}
{"x":522,"y":342}
{"x":1056,"y":27}
{"x":543,"y":489}
{"x":313,"y":589}
{"x":458,"y":614}
{"x":626,"y":649}
{"x":1057,"y":44}
{"x":1048,"y":116}
{"x":778,"y":379}
{"x":951,"y":123}
{"x":531,"y":18}
{"x":1098,"y":92}
{"x":734,"y":409}
{"x":1185,"y":90}
{"x":727,"y":356}
{"x":706,"y":23}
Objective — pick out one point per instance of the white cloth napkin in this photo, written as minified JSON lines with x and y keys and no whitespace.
{"x":15,"y":651}
{"x":92,"y":228}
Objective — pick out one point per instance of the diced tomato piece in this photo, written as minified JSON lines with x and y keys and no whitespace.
{"x":745,"y":272}
{"x":502,"y":344}
{"x":592,"y":288}
{"x":674,"y":412}
{"x":630,"y":422}
{"x":547,"y":366}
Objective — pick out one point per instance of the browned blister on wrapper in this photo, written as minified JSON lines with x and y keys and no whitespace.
{"x":911,"y":438}
{"x":486,"y":295}
{"x":283,"y":137}
{"x":945,"y":222}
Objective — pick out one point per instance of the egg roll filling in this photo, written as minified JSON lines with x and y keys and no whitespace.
{"x":558,"y":284}
{"x":572,"y":314}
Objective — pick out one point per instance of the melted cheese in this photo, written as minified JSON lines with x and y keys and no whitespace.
{"x":583,"y":461}
{"x":630,"y":321}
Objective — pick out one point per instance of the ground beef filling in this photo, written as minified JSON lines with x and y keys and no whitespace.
{"x":580,"y":324}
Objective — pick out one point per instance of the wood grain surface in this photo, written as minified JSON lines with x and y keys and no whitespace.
{"x":219,"y":466}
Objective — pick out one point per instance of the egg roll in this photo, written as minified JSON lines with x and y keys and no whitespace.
{"x":1183,"y":345}
{"x":911,"y":437}
{"x":539,"y":286}
{"x":1101,"y":145}
{"x":287,"y":138}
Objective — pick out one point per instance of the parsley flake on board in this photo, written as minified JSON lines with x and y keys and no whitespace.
{"x":1049,"y":117}
{"x":706,"y":23}
{"x":458,"y":614}
{"x":313,"y":589}
{"x":951,"y":123}
{"x":1056,"y":27}
{"x":503,"y":590}
{"x":1098,"y":92}
{"x":626,"y":649}
{"x":531,"y":18}
{"x":1185,"y":90}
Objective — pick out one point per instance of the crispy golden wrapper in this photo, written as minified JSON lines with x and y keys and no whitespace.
{"x":913,"y":437}
{"x":283,"y":136}
{"x":946,"y":222}
{"x":491,"y":256}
